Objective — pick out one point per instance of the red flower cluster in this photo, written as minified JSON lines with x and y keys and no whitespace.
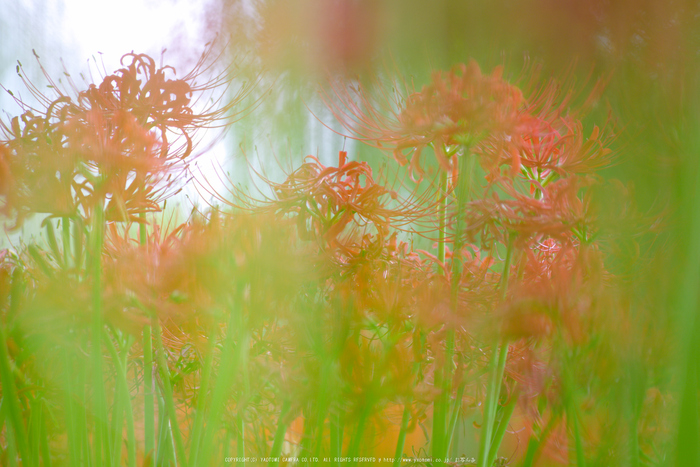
{"x":466,"y":111}
{"x":314,"y":300}
{"x":461,"y":107}
{"x":117,"y":141}
{"x":343,"y":207}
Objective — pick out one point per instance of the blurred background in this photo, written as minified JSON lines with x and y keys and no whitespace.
{"x":647,"y":51}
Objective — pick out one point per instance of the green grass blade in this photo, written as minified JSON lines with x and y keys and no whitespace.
{"x":278,"y":441}
{"x":168,"y":400}
{"x":500,"y":432}
{"x":11,"y":399}
{"x":405,"y":418}
{"x":123,"y":402}
{"x":202,"y":400}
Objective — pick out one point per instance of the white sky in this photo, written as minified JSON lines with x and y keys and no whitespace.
{"x":114,"y":28}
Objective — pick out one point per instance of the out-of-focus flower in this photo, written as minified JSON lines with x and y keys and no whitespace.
{"x":37,"y":166}
{"x":8,"y":264}
{"x":557,"y":292}
{"x":227,"y":258}
{"x":460,"y":107}
{"x":312,"y":37}
{"x":560,"y":213}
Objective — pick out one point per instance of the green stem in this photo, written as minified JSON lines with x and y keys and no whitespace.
{"x":44,"y":436}
{"x":572,"y":416}
{"x":227,"y":442}
{"x":354,"y":449}
{"x":34,"y":431}
{"x":496,"y":367}
{"x":501,"y":429}
{"x":125,"y":397}
{"x":464,"y":183}
{"x":442,"y":433}
{"x":117,"y":424}
{"x":443,"y":380}
{"x":11,"y":398}
{"x":440,"y":378}
{"x":455,"y":415}
{"x":307,"y":435}
{"x":143,"y":237}
{"x":536,"y":442}
{"x":398,"y":456}
{"x":442,"y":219}
{"x":505,"y":275}
{"x":78,"y":236}
{"x":148,"y":391}
{"x":12,"y":448}
{"x":322,"y":407}
{"x":233,"y":357}
{"x":336,"y":436}
{"x":168,"y":396}
{"x":148,"y":398}
{"x":100,"y":439}
{"x":165,"y":447}
{"x":240,"y":442}
{"x":65,"y":230}
{"x":580,"y":458}
{"x":634,"y":442}
{"x":71,"y":416}
{"x":83,"y":414}
{"x":202,"y":399}
{"x":279,"y":434}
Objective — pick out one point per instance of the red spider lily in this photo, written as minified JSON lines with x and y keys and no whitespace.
{"x":192,"y":276}
{"x":121,"y":157}
{"x":494,"y":118}
{"x":458,"y":298}
{"x":563,"y":151}
{"x":551,"y":141}
{"x":117,"y":141}
{"x":343,"y":207}
{"x":460,"y":107}
{"x":561,"y":213}
{"x":228,"y":258}
{"x":381,"y":285}
{"x":556,"y":302}
{"x":376,"y":368}
{"x":37,"y":167}
{"x":155,"y":102}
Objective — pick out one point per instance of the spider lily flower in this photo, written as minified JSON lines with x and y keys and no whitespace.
{"x":343,"y":207}
{"x":121,"y":140}
{"x":213,"y":262}
{"x":458,"y":108}
{"x":561,"y":149}
{"x":37,"y":167}
{"x":161,"y":105}
{"x":562,"y":213}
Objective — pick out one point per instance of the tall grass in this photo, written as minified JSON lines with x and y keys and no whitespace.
{"x":307,"y":327}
